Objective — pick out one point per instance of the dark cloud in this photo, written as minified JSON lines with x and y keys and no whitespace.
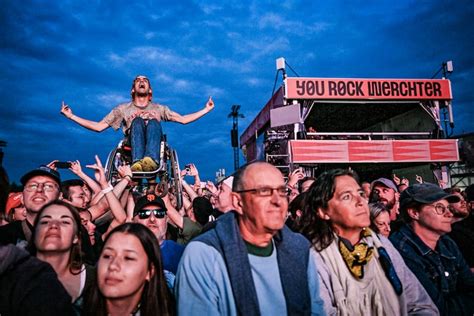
{"x":87,"y":53}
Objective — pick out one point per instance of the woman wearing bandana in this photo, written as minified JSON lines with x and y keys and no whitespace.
{"x":360,"y":273}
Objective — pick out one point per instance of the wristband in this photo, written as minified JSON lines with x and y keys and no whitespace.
{"x":107,"y":190}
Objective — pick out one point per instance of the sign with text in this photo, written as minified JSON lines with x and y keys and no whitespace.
{"x":368,"y":89}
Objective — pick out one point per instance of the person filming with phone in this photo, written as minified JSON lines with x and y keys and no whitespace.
{"x":140,"y":119}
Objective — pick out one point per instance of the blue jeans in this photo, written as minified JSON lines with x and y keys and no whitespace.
{"x":145,"y":139}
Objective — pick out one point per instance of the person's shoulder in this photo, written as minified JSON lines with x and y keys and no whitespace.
{"x":167,"y":243}
{"x":11,"y":232}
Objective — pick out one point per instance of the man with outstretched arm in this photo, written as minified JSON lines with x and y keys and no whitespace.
{"x":141,"y":119}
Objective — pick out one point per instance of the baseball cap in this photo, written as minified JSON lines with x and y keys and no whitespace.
{"x":14,"y":200}
{"x":425,"y":193}
{"x":229,"y":181}
{"x":41,"y":171}
{"x":148,"y":199}
{"x":385,"y":182}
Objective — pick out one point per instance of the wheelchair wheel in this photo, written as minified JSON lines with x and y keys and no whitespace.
{"x":175,"y":178}
{"x":110,"y":168}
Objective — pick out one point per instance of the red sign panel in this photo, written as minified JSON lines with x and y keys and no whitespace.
{"x":367,"y":151}
{"x":368,"y":89}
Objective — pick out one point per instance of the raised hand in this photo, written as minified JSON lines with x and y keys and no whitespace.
{"x":210,"y":104}
{"x":99,"y":172}
{"x":76,"y":167}
{"x":66,"y":110}
{"x":396,"y":179}
{"x":52,"y":164}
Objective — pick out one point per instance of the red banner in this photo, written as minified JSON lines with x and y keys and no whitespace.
{"x":368,"y":89}
{"x":363,"y":151}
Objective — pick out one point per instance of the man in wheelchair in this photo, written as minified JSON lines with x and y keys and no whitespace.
{"x":140,"y":119}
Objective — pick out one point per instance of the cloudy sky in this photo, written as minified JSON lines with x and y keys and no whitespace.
{"x":88,"y":52}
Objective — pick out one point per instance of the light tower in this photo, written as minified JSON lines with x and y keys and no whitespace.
{"x":234,"y":133}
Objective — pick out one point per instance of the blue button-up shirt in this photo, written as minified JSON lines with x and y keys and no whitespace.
{"x":443,"y":272}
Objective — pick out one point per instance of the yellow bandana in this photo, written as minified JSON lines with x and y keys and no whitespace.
{"x":360,"y":256}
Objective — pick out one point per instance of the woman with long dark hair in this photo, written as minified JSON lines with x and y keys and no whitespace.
{"x":57,"y":240}
{"x":360,"y":273}
{"x":130,"y":279}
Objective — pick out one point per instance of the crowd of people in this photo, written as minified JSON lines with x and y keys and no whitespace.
{"x":254,"y":243}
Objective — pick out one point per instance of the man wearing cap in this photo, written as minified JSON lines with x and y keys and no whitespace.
{"x":150,"y":210}
{"x":432,"y":256}
{"x":141,"y":120}
{"x":386,"y":192}
{"x":250,"y":263}
{"x":224,"y":196}
{"x":40,"y":186}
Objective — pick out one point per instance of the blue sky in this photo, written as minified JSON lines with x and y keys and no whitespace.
{"x":88,"y":52}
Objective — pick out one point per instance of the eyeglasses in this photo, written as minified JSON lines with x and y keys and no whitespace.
{"x":158,"y":213}
{"x":440,"y":209}
{"x":267,"y":191}
{"x":47,"y":187}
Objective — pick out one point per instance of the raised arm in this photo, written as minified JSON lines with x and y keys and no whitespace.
{"x":92,"y":125}
{"x":108,"y":191}
{"x":188,"y":118}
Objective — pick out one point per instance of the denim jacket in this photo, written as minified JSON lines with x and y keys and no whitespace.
{"x":444,"y":273}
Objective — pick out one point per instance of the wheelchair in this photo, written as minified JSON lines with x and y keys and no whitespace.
{"x":168,"y":172}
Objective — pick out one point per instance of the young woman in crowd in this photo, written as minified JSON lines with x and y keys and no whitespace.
{"x":57,"y":240}
{"x":360,"y":273}
{"x":130,"y":278}
{"x":379,"y":219}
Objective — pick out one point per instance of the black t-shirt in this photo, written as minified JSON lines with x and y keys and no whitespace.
{"x":12,"y":233}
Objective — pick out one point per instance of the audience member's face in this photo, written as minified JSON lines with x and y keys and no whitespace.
{"x":122,"y":269}
{"x":430,"y":219}
{"x":87,"y":193}
{"x":366,"y":187}
{"x":39,"y":191}
{"x":19,"y":213}
{"x":386,"y":195}
{"x":305,"y":185}
{"x":55,"y":231}
{"x":348,"y":209}
{"x":263,"y":214}
{"x":382,"y":221}
{"x":86,"y":221}
{"x":157,"y":225}
{"x":224,"y":198}
{"x":459,"y":209}
{"x":77,"y":196}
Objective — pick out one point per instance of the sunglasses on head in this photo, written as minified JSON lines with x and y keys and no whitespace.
{"x":158,"y":213}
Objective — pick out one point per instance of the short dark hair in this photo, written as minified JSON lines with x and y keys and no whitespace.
{"x":318,"y":231}
{"x":65,"y":185}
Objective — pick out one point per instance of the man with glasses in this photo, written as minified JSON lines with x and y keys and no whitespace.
{"x":40,"y":186}
{"x":432,"y":256}
{"x":150,"y":210}
{"x":250,"y":263}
